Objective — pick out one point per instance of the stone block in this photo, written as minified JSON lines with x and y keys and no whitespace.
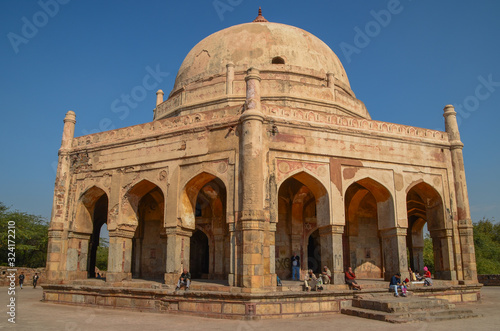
{"x":99,"y":300}
{"x":450,"y":297}
{"x":51,"y":296}
{"x":90,"y":299}
{"x":290,"y":308}
{"x":123,"y":302}
{"x":187,"y":306}
{"x":310,"y":307}
{"x":268,"y":309}
{"x":78,"y":298}
{"x":329,"y":306}
{"x":66,"y":297}
{"x":111,"y":301}
{"x":209,"y":307}
{"x":469,"y":297}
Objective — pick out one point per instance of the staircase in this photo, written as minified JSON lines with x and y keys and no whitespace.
{"x":392,"y":309}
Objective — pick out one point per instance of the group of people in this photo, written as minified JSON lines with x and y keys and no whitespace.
{"x":315,"y":283}
{"x":397,"y":284}
{"x":22,"y":278}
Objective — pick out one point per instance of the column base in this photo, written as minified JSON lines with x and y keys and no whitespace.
{"x":118,"y":276}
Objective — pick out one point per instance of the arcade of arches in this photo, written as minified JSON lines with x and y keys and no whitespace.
{"x":367,"y":241}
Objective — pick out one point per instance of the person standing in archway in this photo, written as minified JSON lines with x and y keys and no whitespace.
{"x":295,"y":266}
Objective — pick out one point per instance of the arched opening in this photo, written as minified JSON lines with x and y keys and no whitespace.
{"x":149,"y":247}
{"x":314,"y":253}
{"x":302,"y":209}
{"x":425,"y":212}
{"x":199,"y":260}
{"x":91,"y":215}
{"x":99,"y":219}
{"x":204,"y":206}
{"x":278,"y":60}
{"x":368,"y":209}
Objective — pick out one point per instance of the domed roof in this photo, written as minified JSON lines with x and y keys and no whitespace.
{"x":256,"y":44}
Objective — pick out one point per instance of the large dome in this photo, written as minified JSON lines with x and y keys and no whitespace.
{"x":256,"y":44}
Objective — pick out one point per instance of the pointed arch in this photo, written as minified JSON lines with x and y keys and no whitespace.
{"x":203,"y":208}
{"x":303,"y":207}
{"x":84,"y":218}
{"x":425,"y":206}
{"x":143,"y":211}
{"x":369,"y":208}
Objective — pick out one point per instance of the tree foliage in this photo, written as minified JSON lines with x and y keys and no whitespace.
{"x":487,"y":246}
{"x":102,"y":254}
{"x":31,"y":237}
{"x":428,"y":253}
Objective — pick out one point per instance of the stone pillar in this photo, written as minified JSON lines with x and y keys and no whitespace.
{"x":330,"y":80}
{"x":229,"y":78}
{"x":77,"y":256}
{"x":251,"y":174}
{"x":233,"y":253}
{"x":331,"y":251}
{"x":442,"y":243}
{"x":394,"y":251}
{"x":462,"y":197}
{"x":178,"y":250}
{"x":55,"y":244}
{"x":159,"y":97}
{"x":218,"y":257}
{"x":119,"y":255}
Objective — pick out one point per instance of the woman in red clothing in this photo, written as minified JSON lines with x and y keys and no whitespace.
{"x":427,"y":275}
{"x":350,"y":279}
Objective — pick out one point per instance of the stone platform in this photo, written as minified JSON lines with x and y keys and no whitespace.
{"x":215,"y":299}
{"x":386,"y":307}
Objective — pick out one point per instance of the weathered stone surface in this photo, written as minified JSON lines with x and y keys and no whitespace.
{"x":261,"y":151}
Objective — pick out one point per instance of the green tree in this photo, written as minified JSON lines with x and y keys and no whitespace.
{"x":102,"y":254}
{"x":487,"y":247}
{"x":428,"y":253}
{"x":31,"y":238}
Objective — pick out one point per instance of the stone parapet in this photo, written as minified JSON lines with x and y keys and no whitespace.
{"x":489,"y":280}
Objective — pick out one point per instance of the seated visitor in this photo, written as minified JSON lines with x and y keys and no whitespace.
{"x":326,"y":275}
{"x":413,"y":278}
{"x":396,"y":283}
{"x":350,"y":279}
{"x":184,"y":280}
{"x":310,"y":281}
{"x":427,"y":276}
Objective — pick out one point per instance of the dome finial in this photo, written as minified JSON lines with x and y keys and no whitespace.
{"x":259,"y":17}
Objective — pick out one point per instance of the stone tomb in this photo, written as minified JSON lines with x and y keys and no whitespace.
{"x":260,"y":150}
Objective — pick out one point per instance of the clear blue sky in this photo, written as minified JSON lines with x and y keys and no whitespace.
{"x":84,"y":55}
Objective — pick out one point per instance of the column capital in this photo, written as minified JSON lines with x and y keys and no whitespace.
{"x":252,"y":73}
{"x":78,"y":235}
{"x":122,"y":233}
{"x":392,"y":232}
{"x":176,"y":230}
{"x":331,"y":229}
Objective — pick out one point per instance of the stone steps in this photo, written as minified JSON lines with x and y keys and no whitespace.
{"x":403,"y":310}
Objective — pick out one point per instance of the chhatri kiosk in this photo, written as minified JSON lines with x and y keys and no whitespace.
{"x":260,"y":150}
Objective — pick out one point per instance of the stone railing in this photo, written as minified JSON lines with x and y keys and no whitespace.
{"x":489,"y":280}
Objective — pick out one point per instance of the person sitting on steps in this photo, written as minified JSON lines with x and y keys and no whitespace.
{"x":310,"y":281}
{"x":396,"y":283}
{"x":184,"y":280}
{"x":350,"y":280}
